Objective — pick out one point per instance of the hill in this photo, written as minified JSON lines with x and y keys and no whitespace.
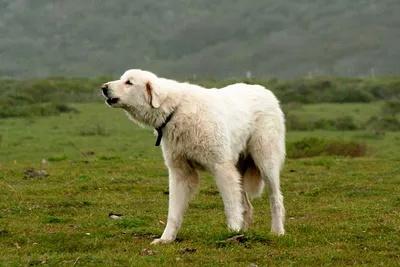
{"x":283,"y":39}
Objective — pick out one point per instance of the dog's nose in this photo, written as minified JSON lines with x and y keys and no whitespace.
{"x":104,"y":88}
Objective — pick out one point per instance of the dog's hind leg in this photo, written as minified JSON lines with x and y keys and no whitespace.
{"x":183,"y":183}
{"x":268,"y":156}
{"x":276,"y":201}
{"x":229,"y":184}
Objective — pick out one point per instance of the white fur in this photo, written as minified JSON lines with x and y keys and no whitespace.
{"x":237,"y":133}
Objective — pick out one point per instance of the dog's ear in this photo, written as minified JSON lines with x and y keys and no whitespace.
{"x":154,"y":95}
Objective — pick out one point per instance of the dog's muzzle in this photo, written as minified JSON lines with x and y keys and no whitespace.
{"x":110,"y":100}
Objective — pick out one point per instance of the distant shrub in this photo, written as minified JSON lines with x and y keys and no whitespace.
{"x":19,"y":98}
{"x":324,"y":124}
{"x":307,"y":147}
{"x":336,"y":90}
{"x":391,"y":107}
{"x":296,"y":123}
{"x":383,"y":88}
{"x":346,"y":123}
{"x":311,"y":147}
{"x":41,"y":109}
{"x":345,"y":148}
{"x":388,"y":119}
{"x":351,"y":95}
{"x":383,"y":123}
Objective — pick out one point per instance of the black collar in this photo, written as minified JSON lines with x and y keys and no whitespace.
{"x":161,"y":127}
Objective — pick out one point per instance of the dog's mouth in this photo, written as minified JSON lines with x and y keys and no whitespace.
{"x":112,"y":101}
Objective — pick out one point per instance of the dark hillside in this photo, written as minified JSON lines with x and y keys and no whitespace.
{"x":283,"y":39}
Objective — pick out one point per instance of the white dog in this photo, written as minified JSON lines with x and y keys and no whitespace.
{"x":237,"y":133}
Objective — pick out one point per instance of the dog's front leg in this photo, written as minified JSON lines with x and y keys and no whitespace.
{"x":228,"y":182}
{"x":183,"y":182}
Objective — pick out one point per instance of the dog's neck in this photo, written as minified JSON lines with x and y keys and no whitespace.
{"x":154,"y":118}
{"x":160,"y":128}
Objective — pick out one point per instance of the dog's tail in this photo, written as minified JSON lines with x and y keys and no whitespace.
{"x":253,"y":183}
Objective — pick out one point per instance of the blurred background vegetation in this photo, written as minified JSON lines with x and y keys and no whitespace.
{"x":309,"y":104}
{"x":202,"y":38}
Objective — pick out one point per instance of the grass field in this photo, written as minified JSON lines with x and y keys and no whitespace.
{"x":361,"y":111}
{"x":340,"y":211}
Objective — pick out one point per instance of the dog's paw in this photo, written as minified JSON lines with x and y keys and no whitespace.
{"x":235,"y":226}
{"x":277,"y":228}
{"x":278,"y":231}
{"x":160,"y":241}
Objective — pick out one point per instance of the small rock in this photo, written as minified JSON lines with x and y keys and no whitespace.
{"x":31,"y":173}
{"x":146,"y":251}
{"x":187,"y":251}
{"x":115,"y":215}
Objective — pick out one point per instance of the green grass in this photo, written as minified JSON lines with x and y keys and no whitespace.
{"x":387,"y":147}
{"x":361,"y":111}
{"x":98,"y":129}
{"x":340,"y":211}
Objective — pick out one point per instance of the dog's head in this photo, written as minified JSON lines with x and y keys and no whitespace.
{"x":135,"y":89}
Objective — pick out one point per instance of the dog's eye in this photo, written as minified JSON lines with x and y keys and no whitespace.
{"x":128,"y":82}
